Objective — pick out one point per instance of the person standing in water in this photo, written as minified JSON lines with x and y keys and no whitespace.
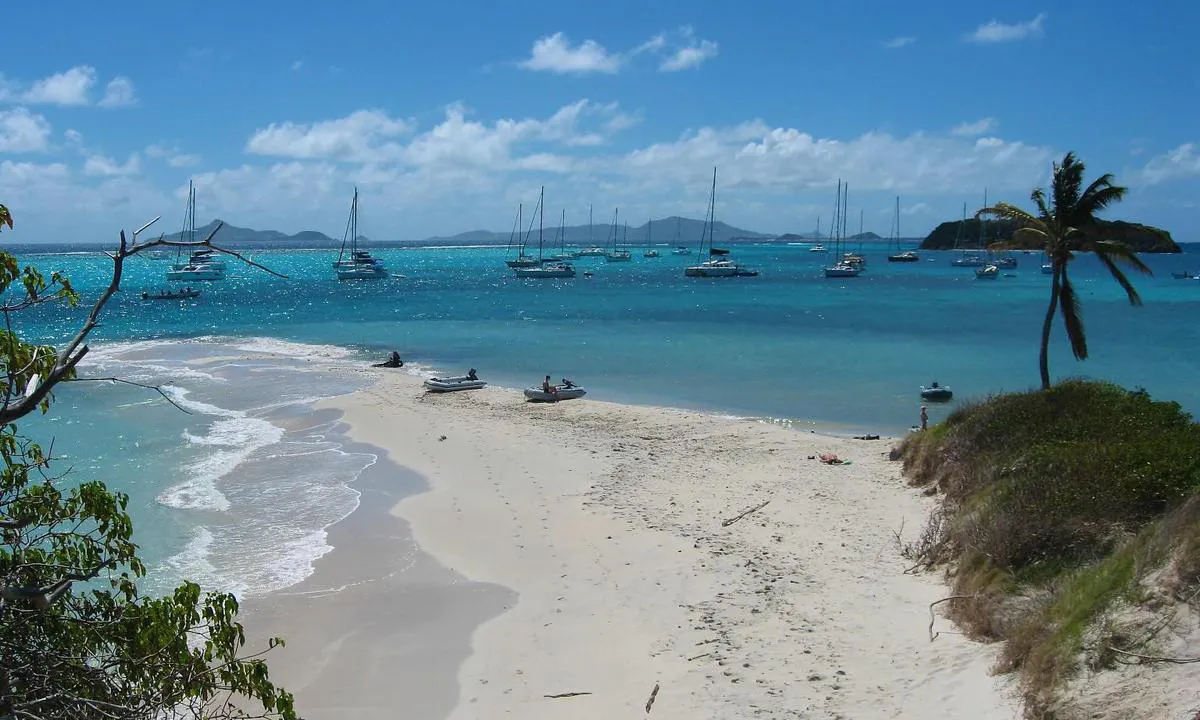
{"x":924,"y":418}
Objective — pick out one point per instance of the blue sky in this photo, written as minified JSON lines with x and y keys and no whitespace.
{"x":447,"y":115}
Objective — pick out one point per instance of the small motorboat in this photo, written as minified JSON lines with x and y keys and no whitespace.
{"x":936,"y":393}
{"x":451,"y":384}
{"x":1185,"y":275}
{"x":990,"y":272}
{"x":172,"y":294}
{"x":560,"y":392}
{"x":908,"y":256}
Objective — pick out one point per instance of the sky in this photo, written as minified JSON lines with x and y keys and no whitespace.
{"x":447,"y":115}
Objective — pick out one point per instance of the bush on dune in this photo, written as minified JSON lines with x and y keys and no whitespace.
{"x":1054,"y":504}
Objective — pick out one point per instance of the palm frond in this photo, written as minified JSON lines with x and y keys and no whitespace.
{"x":1119,"y":275}
{"x":1072,"y":315}
{"x":1006,"y":211}
{"x":1038,"y":196}
{"x":1120,"y":252}
{"x":1024,"y":237}
{"x":1066,"y":186}
{"x":1099,"y":195}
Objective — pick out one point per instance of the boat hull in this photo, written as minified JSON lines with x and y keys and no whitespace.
{"x":453,"y":384}
{"x":618,"y":257}
{"x":536,"y":394}
{"x":711,"y":272}
{"x":903,"y":258}
{"x":842,"y":272}
{"x":368,"y":273}
{"x":523,"y":263}
{"x":545,"y":271}
{"x":194,"y":275}
{"x":937,"y":394}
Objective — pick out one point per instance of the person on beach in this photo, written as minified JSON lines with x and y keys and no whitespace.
{"x":471,"y":374}
{"x":548,"y":388}
{"x":924,"y":418}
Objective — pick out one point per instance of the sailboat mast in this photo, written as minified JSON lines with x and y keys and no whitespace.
{"x":860,"y":230}
{"x":562,"y":231}
{"x":541,"y":214}
{"x":983,"y":224}
{"x":589,"y":226}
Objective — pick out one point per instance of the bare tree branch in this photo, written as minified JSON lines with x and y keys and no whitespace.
{"x":75,"y":350}
{"x":155,"y":388}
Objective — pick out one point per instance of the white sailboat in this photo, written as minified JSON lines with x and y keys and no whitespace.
{"x":719,"y":263}
{"x":202,"y":265}
{"x":840,"y":268}
{"x":544,"y":268}
{"x":357,"y":264}
{"x":649,"y":252}
{"x":617,"y":253}
{"x":591,"y":250}
{"x":679,"y":248}
{"x":901,"y":257}
{"x":967,"y":259}
{"x":818,"y":246}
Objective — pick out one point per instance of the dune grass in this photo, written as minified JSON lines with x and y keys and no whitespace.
{"x":1054,"y":505}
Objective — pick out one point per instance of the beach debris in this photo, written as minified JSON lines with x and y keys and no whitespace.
{"x":744,"y":513}
{"x":697,"y":657}
{"x":555,"y":696}
{"x":932,"y":617}
{"x":866,"y":437}
{"x":442,"y":438}
{"x":650,"y":700}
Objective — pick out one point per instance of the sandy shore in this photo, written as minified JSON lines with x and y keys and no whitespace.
{"x":607,"y":521}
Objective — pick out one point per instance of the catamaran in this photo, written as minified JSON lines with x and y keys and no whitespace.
{"x":357,"y":264}
{"x":202,"y":265}
{"x":544,"y":269}
{"x":719,"y":264}
{"x":840,"y":268}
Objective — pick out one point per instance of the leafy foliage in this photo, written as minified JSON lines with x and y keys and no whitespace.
{"x":1058,"y":227}
{"x":76,"y":637}
{"x":1055,"y":504}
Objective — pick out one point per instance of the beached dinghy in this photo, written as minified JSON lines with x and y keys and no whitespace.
{"x":561,"y":392}
{"x":450,"y":384}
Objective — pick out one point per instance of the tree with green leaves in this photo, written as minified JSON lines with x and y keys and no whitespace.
{"x":77,"y":640}
{"x":1059,"y":227}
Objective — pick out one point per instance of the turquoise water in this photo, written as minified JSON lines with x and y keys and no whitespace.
{"x":788,"y":345}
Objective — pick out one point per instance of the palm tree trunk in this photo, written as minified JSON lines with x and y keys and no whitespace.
{"x":1044,"y":357}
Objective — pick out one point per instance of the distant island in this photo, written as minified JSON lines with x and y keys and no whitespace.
{"x":1141,"y":238}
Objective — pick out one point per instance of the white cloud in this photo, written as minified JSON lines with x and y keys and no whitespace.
{"x":22,"y":131}
{"x":74,"y":137}
{"x":554,"y":53}
{"x":979,"y":127}
{"x":916,"y":209}
{"x":679,"y":50}
{"x":898,"y":42}
{"x":104,"y":166}
{"x":357,"y":137}
{"x":691,"y":56}
{"x":173,"y":156}
{"x":372,"y":137}
{"x":995,"y":31}
{"x":1183,"y":161}
{"x":119,"y":93}
{"x":297,"y":65}
{"x":65,"y":88}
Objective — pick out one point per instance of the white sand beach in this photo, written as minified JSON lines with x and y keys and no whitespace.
{"x":606,"y":520}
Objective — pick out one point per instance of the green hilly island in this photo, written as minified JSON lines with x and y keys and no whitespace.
{"x":966,"y":234}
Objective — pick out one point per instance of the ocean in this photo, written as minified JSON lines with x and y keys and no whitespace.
{"x":238,"y":492}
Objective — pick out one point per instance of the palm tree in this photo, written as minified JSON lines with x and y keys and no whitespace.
{"x":1060,"y":227}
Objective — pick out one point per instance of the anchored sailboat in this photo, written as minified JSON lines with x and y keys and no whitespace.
{"x":894,"y":238}
{"x":202,"y":264}
{"x":543,"y":268}
{"x":357,"y":264}
{"x":719,"y":264}
{"x":840,"y":268}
